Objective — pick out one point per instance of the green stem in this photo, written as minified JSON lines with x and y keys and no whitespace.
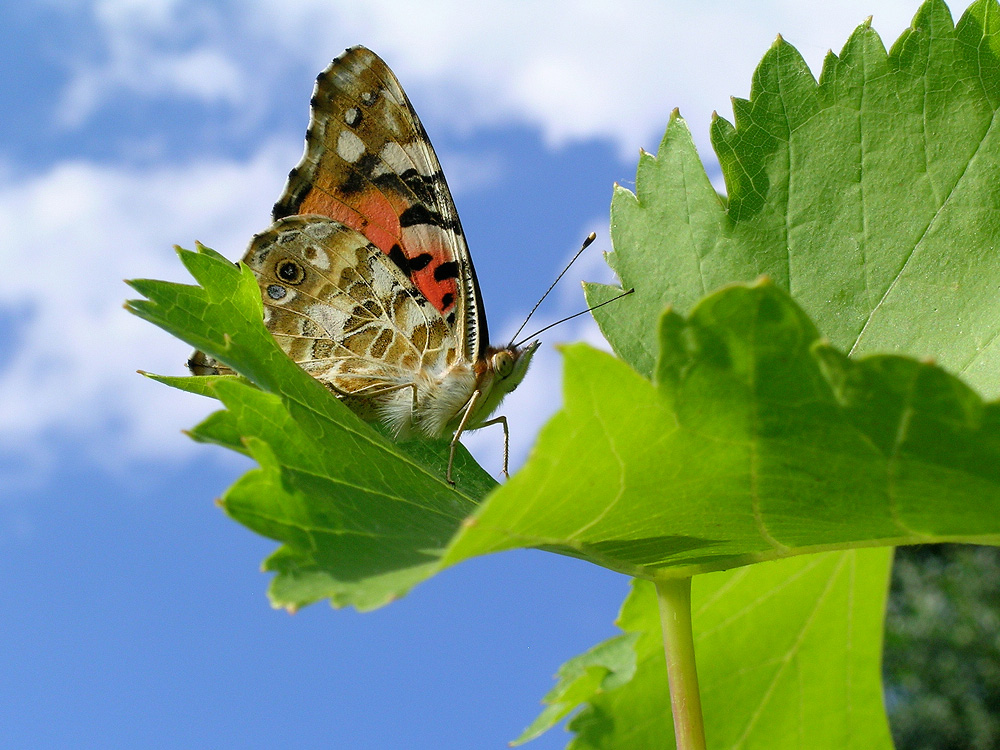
{"x":674,"y":596}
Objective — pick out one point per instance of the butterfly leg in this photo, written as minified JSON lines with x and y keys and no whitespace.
{"x":458,"y":433}
{"x":506,"y":440}
{"x":377,"y":389}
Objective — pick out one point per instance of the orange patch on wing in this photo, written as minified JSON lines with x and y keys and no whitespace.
{"x":435,"y":291}
{"x":376,"y":215}
{"x":383,"y":218}
{"x":372,"y":215}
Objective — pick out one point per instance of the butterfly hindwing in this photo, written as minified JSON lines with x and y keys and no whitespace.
{"x":341,"y":309}
{"x":369,"y":164}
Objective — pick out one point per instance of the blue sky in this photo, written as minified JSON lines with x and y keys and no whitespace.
{"x":133,"y":613}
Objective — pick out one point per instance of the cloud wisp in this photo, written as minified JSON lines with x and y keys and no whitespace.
{"x":82,"y":228}
{"x":572,"y":70}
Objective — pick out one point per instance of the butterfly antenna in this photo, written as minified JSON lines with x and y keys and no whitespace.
{"x":574,"y":315}
{"x":586,"y":243}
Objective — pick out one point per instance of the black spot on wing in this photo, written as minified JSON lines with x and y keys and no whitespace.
{"x":325,"y":81}
{"x":354,"y":183}
{"x":420,"y":214}
{"x":409,"y":265}
{"x":446,"y":301}
{"x":296,"y":190}
{"x":397,"y":256}
{"x":420,"y":262}
{"x":290,"y":271}
{"x":447,"y":270}
{"x":426,"y":188}
{"x":359,"y":174}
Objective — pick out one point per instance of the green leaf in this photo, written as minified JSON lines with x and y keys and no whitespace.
{"x":789,"y":646}
{"x":605,"y":667}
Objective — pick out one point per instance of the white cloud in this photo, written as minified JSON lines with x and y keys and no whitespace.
{"x":70,"y":236}
{"x":202,"y":74}
{"x":574,"y":70}
{"x":148,"y":52}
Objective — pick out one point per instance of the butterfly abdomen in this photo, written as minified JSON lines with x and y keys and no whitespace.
{"x":440,"y":397}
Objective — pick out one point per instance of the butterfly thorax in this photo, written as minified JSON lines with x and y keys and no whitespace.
{"x":443,"y":397}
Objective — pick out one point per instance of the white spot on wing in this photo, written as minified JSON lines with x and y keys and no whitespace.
{"x":322,"y":261}
{"x":349,"y":147}
{"x":317,"y":255}
{"x":322,"y":229}
{"x":329,"y":318}
{"x":397,"y":159}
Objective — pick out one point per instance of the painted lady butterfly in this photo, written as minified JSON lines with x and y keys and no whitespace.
{"x":365,"y":274}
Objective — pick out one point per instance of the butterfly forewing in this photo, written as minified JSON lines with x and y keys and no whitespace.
{"x":369,"y":164}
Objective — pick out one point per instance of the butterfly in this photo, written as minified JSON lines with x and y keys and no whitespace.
{"x":366,"y":276}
